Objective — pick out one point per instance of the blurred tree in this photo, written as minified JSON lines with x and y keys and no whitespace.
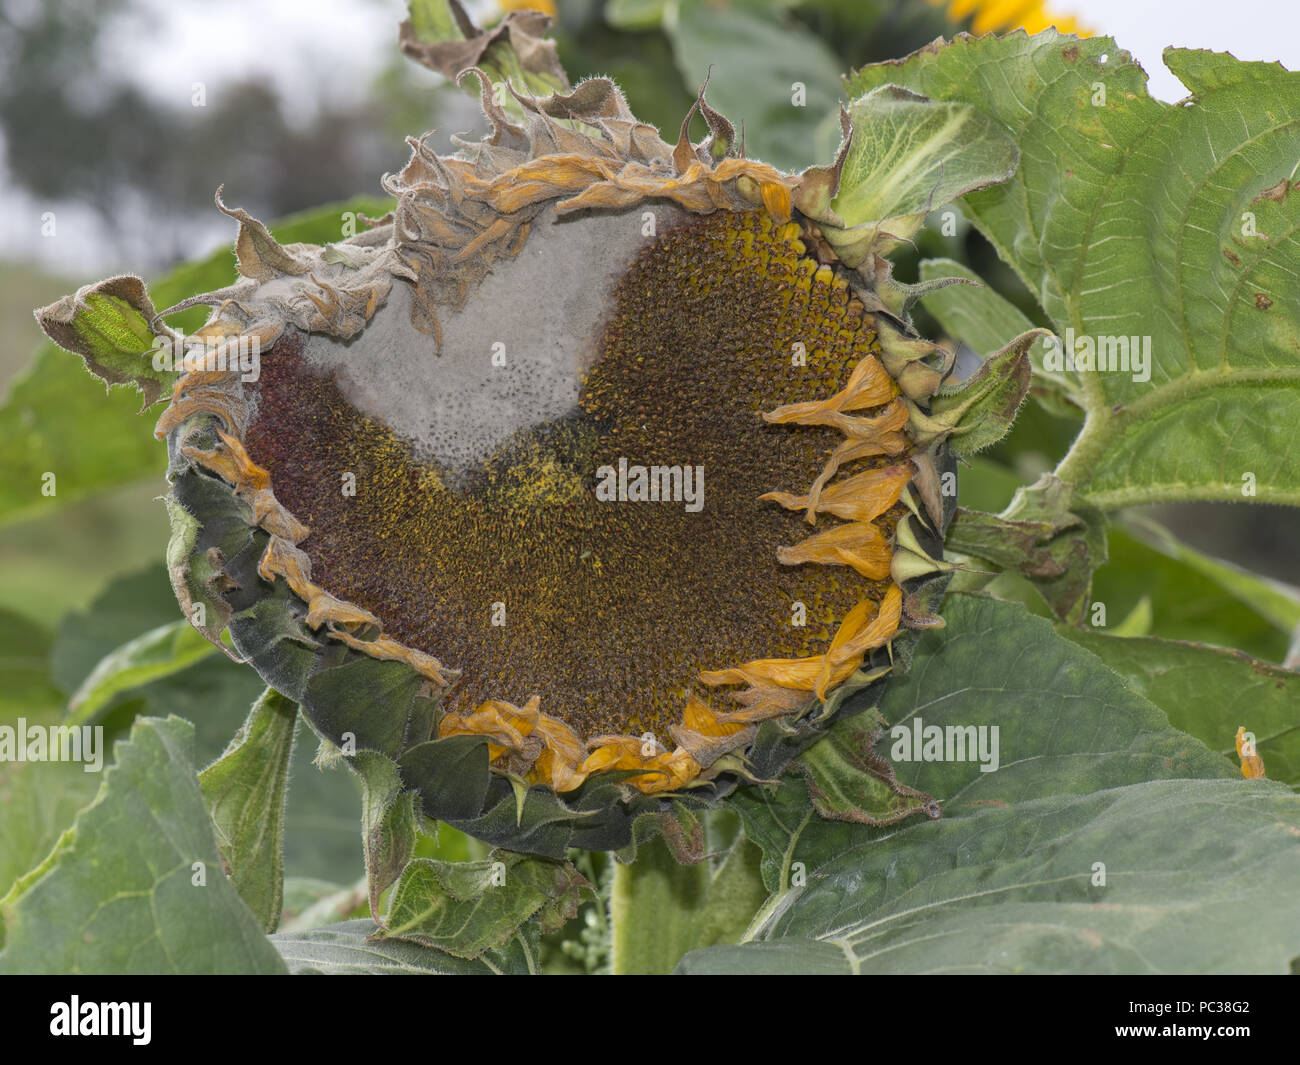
{"x":76,"y":128}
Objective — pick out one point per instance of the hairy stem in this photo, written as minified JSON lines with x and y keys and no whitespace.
{"x":660,"y":910}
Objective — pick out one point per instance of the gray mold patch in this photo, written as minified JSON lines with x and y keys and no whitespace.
{"x":512,"y":358}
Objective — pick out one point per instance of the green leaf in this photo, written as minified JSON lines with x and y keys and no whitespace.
{"x":157,"y":653}
{"x":1087,"y":772}
{"x":847,"y":781}
{"x":1130,"y":217}
{"x":348,"y":948}
{"x":979,"y":411}
{"x":465,"y":908}
{"x":978,"y":315}
{"x":389,"y":823}
{"x":1277,"y":602}
{"x":754,"y":60}
{"x":1210,"y":692}
{"x":244,"y":791}
{"x":57,"y":419}
{"x":910,"y":155}
{"x":119,"y":895}
{"x":38,"y":800}
{"x":1187,"y":602}
{"x":112,"y":325}
{"x":53,"y":409}
{"x":1046,"y":536}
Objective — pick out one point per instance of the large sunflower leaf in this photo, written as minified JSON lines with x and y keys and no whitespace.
{"x":38,"y":800}
{"x":244,"y":791}
{"x":135,"y":886}
{"x":150,"y":656}
{"x":1210,"y":692}
{"x":55,"y":407}
{"x":1104,"y":841}
{"x":1172,"y":224}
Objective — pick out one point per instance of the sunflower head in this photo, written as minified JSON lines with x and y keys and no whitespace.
{"x":596,"y":478}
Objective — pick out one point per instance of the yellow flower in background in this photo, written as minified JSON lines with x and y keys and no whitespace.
{"x":1000,"y":16}
{"x":546,"y":7}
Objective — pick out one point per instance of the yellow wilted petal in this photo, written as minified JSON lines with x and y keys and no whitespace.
{"x":891,"y":442}
{"x":230,"y":462}
{"x":562,"y":753}
{"x":556,"y":772}
{"x":707,"y":735}
{"x":797,"y":673}
{"x":854,"y":639}
{"x":387,"y":649}
{"x":323,"y":607}
{"x":766,"y":701}
{"x":665,"y":771}
{"x":700,"y":717}
{"x":859,"y":545}
{"x":776,"y":198}
{"x":869,"y":386}
{"x":862,"y":497}
{"x":864,"y":628}
{"x":500,"y":721}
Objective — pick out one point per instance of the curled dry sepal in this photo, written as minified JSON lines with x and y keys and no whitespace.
{"x":396,"y":514}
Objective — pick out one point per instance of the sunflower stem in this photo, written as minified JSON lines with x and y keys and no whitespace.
{"x":660,"y":909}
{"x":652,"y":908}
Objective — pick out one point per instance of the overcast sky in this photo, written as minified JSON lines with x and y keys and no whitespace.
{"x":1249,"y":29}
